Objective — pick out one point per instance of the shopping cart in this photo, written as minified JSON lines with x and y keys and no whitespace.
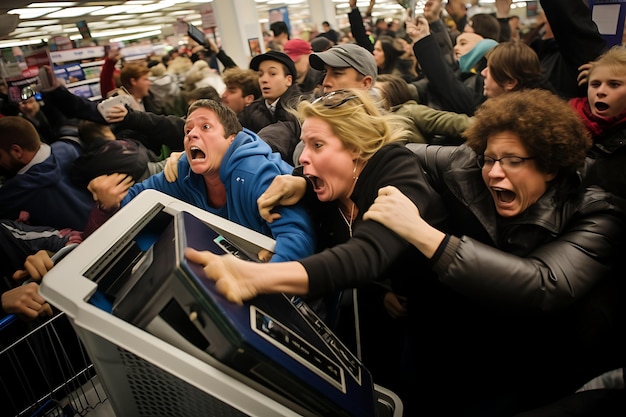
{"x":45,"y":371}
{"x":44,"y":368}
{"x":157,"y":371}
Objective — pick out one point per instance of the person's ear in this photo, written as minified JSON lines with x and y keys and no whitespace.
{"x":16,"y":152}
{"x":248,"y":99}
{"x":368,"y":82}
{"x":550,"y":176}
{"x":289,"y":79}
{"x":510,"y":85}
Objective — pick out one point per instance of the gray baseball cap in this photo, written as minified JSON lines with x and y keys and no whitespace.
{"x":344,"y":56}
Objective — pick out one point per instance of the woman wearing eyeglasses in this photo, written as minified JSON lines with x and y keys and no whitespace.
{"x":351,"y":149}
{"x":526,"y":298}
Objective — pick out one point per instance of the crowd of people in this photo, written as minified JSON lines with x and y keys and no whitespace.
{"x":450,"y":187}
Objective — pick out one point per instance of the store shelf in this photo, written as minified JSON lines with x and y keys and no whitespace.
{"x":80,"y":70}
{"x":82,"y":82}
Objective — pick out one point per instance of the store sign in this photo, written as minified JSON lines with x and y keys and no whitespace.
{"x":77,"y":54}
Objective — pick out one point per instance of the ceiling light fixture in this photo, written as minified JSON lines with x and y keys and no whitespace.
{"x":136,"y":36}
{"x":39,"y":23}
{"x":75,"y":11}
{"x":128,"y":31}
{"x":113,"y":10}
{"x":53,"y":4}
{"x":9,"y":44}
{"x":34,"y":12}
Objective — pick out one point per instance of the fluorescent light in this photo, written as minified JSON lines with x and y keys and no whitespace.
{"x":102,"y":25}
{"x":52,"y":29}
{"x":136,"y":36}
{"x":54,"y":4}
{"x":34,"y":12}
{"x":39,"y":23}
{"x":133,"y":22}
{"x":153,"y":7}
{"x":75,"y":11}
{"x":285,"y":1}
{"x":110,"y":33}
{"x":31,"y":34}
{"x":9,"y":44}
{"x":120,"y":17}
{"x":183,"y":12}
{"x":112,"y":10}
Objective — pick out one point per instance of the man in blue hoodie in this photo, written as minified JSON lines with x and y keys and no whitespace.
{"x":37,"y":179}
{"x":224,"y":170}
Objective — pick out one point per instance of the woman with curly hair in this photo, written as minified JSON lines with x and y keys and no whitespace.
{"x":528,"y":292}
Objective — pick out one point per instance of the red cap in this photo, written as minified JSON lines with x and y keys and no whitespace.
{"x":295,"y":48}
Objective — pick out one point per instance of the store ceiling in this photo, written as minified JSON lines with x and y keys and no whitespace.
{"x":107,"y":19}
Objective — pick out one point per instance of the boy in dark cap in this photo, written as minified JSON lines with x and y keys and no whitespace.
{"x":277,"y":79}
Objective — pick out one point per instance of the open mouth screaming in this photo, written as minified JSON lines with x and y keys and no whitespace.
{"x":504,"y":196}
{"x":197,"y":153}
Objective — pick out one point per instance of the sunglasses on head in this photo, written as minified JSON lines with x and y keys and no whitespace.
{"x":335,"y":99}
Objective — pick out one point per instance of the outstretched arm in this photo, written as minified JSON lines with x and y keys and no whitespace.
{"x":240,"y":280}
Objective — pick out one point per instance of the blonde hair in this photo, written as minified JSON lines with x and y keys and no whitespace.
{"x":614,"y":58}
{"x":357,"y":119}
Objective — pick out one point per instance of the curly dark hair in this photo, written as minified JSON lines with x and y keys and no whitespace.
{"x":546,"y":124}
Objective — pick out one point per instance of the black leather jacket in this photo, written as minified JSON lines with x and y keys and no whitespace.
{"x":542,"y":291}
{"x":559,"y":249}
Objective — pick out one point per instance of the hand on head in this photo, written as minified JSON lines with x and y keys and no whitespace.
{"x":583,"y":74}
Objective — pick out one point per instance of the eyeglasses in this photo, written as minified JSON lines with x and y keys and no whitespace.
{"x":508,"y":163}
{"x":334,"y":99}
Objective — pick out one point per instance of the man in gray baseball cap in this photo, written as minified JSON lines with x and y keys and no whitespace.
{"x":346,"y":65}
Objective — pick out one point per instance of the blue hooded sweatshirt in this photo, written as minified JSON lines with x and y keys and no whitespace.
{"x":247,"y":170}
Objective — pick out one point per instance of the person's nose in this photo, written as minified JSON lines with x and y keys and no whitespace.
{"x":601,"y":90}
{"x":496,"y":170}
{"x":304,"y":157}
{"x":193,"y":133}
